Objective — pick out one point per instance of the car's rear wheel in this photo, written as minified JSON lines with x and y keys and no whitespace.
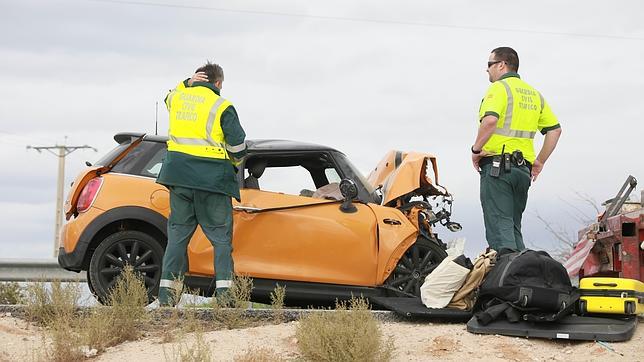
{"x":134,"y":248}
{"x":418,"y":261}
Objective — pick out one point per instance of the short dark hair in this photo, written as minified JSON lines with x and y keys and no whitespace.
{"x":213,"y":71}
{"x":509,"y":56}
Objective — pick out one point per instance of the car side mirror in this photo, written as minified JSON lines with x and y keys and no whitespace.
{"x":349,"y":191}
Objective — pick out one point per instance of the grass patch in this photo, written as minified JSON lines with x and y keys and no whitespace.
{"x":169,"y":330}
{"x":11,"y":293}
{"x":197,"y":350}
{"x":229,"y":308}
{"x":123,"y":317}
{"x":47,"y":305}
{"x":127,"y":301}
{"x":55,"y":308}
{"x":71,"y":333}
{"x":190,"y":348}
{"x":349,"y":334}
{"x":66,"y":342}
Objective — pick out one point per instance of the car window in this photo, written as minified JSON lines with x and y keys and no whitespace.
{"x":105,"y":160}
{"x":144,"y":160}
{"x":289,"y":180}
{"x":294,"y":174}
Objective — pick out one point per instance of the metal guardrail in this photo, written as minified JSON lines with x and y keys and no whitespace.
{"x":36,"y":270}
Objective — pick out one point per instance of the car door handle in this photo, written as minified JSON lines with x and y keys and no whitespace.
{"x":249,"y":209}
{"x":391,"y":221}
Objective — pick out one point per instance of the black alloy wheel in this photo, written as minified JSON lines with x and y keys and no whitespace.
{"x":418,"y":261}
{"x":134,"y":248}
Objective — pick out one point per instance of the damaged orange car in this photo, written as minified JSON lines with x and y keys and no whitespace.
{"x":308,"y":221}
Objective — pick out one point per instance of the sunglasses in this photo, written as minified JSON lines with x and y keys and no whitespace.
{"x":489,"y":64}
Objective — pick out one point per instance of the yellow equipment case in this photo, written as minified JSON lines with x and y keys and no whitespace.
{"x":611,"y":296}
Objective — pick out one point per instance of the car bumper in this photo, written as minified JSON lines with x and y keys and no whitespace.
{"x":71,"y":261}
{"x":74,"y":240}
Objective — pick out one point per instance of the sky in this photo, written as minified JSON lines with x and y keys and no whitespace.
{"x":363,"y":77}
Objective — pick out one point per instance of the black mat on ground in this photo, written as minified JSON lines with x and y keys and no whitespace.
{"x":413,"y":307}
{"x":571,"y":327}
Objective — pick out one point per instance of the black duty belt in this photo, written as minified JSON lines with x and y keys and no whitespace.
{"x":488,"y":160}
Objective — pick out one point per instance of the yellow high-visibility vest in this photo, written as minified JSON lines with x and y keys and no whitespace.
{"x":195,"y":122}
{"x":522,"y":111}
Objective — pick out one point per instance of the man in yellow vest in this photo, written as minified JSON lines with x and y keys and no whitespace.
{"x":206,"y":142}
{"x":510,"y":115}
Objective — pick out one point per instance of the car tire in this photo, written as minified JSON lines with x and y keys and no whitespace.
{"x":130,"y":247}
{"x":420,"y":259}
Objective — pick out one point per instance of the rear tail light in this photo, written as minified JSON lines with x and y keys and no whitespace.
{"x":88,"y":195}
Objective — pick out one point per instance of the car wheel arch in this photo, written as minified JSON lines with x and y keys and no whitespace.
{"x":119,"y":219}
{"x":434,"y":248}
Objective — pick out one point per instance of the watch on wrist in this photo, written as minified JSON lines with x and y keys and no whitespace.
{"x":475,"y":152}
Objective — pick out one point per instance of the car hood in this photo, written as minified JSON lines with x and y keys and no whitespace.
{"x":400,"y":173}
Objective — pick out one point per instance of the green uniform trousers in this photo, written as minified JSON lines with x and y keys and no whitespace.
{"x":503,"y":200}
{"x":189,"y":208}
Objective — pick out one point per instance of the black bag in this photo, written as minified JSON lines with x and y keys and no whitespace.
{"x":527,"y":285}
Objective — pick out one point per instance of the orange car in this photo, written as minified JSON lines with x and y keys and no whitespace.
{"x":308,"y":220}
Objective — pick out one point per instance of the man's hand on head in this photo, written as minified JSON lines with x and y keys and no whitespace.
{"x":198,"y":77}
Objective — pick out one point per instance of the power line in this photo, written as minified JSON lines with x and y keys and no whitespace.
{"x":365,"y":20}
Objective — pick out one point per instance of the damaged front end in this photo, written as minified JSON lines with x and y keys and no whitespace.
{"x":402,"y":181}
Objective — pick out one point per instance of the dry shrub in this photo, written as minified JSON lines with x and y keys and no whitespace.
{"x":55,"y":308}
{"x":169,"y":331}
{"x":47,"y":305}
{"x":277,"y":303}
{"x":122,"y":319}
{"x":184,"y":320}
{"x":229,"y":308}
{"x":176,"y":291}
{"x":191,"y":323}
{"x":197,"y":351}
{"x":190,"y":349}
{"x":127,"y":301}
{"x":65,"y":341}
{"x":349,"y":334}
{"x":240,"y":291}
{"x":262,"y":354}
{"x":11,"y":293}
{"x":99,"y":328}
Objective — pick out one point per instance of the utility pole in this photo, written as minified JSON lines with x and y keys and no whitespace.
{"x":60,"y":151}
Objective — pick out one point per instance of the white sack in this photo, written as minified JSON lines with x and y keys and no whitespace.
{"x":441,"y":285}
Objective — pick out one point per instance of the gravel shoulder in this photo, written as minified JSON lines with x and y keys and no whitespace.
{"x":414,"y":341}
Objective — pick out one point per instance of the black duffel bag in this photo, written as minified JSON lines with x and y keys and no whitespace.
{"x":526,"y":285}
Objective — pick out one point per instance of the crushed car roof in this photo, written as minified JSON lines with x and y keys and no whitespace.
{"x":253,"y":145}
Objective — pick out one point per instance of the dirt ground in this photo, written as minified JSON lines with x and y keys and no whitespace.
{"x":21,"y":341}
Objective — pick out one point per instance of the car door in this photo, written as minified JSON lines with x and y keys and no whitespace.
{"x":281,"y":235}
{"x":290,"y":237}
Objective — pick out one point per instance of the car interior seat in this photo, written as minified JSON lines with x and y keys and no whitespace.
{"x":255,"y":169}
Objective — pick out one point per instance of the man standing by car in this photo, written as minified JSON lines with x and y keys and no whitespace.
{"x":206,"y":142}
{"x":510,"y":115}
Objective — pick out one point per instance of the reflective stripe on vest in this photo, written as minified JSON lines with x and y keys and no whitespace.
{"x":211,"y":121}
{"x":236,"y":149}
{"x":507,"y":121}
